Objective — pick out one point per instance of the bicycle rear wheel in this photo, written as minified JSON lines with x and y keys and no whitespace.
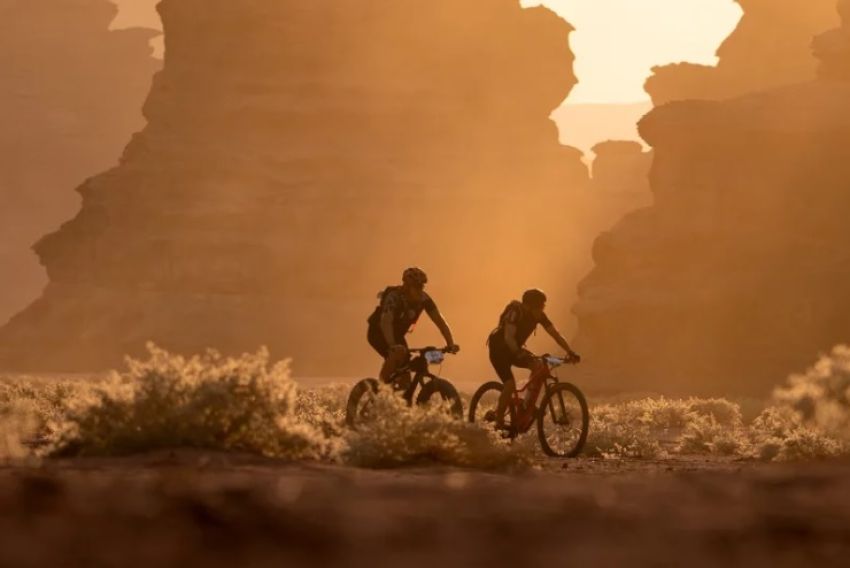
{"x":441,"y":390}
{"x":482,"y":407}
{"x":485,"y":401}
{"x":563,"y":421}
{"x":360,"y":402}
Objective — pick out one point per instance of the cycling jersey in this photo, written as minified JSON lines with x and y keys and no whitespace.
{"x":405,"y":312}
{"x":501,"y":357}
{"x":524,"y":321}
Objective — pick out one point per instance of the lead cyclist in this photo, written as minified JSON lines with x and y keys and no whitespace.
{"x":507,"y":343}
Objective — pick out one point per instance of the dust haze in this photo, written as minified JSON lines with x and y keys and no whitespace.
{"x":201,"y":200}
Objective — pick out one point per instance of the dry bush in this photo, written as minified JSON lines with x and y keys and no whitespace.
{"x":400,"y":435}
{"x":206,"y":402}
{"x":246,"y":404}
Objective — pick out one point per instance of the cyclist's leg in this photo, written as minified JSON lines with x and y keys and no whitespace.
{"x":393,"y":359}
{"x":376,"y":339}
{"x":501,"y":360}
{"x":379,"y":343}
{"x":525,"y":359}
{"x":393,"y":370}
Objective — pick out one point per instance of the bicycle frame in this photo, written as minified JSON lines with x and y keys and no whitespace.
{"x":419,"y":366}
{"x":522,"y":415}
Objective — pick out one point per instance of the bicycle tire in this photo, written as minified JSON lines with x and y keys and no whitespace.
{"x":479,"y":394}
{"x":352,"y":414}
{"x":546,"y":409}
{"x":447,"y":392}
{"x":498,"y":387}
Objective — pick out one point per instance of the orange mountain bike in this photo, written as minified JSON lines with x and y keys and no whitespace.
{"x":562,"y":417}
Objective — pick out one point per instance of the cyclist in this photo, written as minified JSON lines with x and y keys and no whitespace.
{"x":507,"y":343}
{"x":398,"y":311}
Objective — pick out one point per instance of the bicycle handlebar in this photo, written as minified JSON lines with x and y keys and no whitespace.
{"x":553,"y":361}
{"x":422,"y":350}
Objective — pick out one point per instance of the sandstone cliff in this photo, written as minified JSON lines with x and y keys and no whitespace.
{"x":738,"y":273}
{"x":71,"y":96}
{"x":620,"y":181}
{"x":298,"y":156}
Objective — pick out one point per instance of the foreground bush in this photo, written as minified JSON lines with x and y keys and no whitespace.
{"x":400,"y":435}
{"x":206,"y":402}
{"x":248,"y":405}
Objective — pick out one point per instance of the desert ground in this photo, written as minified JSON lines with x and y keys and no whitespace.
{"x":210,"y":509}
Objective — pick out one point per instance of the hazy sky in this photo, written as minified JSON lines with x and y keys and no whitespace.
{"x":616,"y":41}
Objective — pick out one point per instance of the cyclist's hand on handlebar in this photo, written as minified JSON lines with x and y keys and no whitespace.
{"x":573,"y":358}
{"x":453,"y":349}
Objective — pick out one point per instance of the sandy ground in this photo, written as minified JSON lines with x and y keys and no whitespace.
{"x":191,"y":509}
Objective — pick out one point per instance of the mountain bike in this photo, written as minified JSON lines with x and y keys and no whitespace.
{"x":562,"y":417}
{"x":424,"y":387}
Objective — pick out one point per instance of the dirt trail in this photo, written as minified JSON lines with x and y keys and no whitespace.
{"x":216,"y":510}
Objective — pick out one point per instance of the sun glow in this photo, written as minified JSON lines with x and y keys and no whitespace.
{"x":617,"y":42}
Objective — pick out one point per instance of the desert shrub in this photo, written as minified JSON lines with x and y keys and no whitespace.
{"x":821,"y":395}
{"x":207,"y":401}
{"x":400,"y":435}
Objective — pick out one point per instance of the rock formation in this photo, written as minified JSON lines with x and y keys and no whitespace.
{"x":620,"y":181}
{"x":298,"y":156}
{"x":71,"y":96}
{"x":769,"y":48}
{"x":621,"y":170}
{"x":738,"y":274}
{"x":833,"y":48}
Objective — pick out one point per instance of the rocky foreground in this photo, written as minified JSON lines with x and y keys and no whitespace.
{"x":216,"y":510}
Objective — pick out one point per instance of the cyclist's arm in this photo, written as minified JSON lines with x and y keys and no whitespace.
{"x":510,"y":337}
{"x":559,"y":339}
{"x":438,"y":319}
{"x":387,"y":327}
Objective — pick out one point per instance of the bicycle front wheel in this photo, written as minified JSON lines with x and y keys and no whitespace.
{"x":360,"y":402}
{"x":441,"y":390}
{"x":563,"y":421}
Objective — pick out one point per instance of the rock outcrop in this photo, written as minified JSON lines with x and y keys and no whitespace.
{"x":738,"y":273}
{"x":833,"y":48}
{"x":620,"y":181}
{"x":298,"y":156}
{"x":72,"y":92}
{"x":621,"y":170}
{"x":769,"y":48}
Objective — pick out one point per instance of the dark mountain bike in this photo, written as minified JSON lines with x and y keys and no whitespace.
{"x":562,"y":417}
{"x":424,"y":388}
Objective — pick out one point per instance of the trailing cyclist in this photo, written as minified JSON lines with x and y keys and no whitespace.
{"x":507,"y":343}
{"x":398,"y":311}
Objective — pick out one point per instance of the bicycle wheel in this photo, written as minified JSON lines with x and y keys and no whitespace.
{"x":482,"y":407}
{"x":440,"y":389}
{"x":360,"y":402}
{"x":485,"y":401}
{"x":563,"y":421}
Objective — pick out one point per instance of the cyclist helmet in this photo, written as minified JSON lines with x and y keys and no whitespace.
{"x":415,"y":276}
{"x":534,"y":297}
